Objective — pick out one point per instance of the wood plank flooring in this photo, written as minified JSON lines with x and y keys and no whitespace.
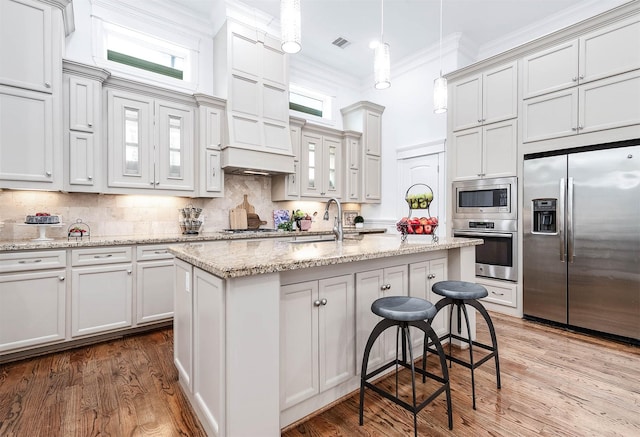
{"x":554,"y":383}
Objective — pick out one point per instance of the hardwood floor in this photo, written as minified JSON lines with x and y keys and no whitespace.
{"x":554,"y":383}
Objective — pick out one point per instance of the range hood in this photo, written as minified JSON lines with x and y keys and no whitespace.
{"x":240,"y":160}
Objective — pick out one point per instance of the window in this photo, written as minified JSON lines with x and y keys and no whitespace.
{"x":315,"y":104}
{"x":145,"y":52}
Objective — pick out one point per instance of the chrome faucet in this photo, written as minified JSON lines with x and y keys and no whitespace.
{"x":337,"y":223}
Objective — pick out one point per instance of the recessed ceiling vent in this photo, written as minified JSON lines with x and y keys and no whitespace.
{"x":341,"y":42}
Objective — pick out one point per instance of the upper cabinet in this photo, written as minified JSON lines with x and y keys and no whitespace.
{"x":151,"y":143}
{"x":364,"y":166}
{"x":287,"y":187}
{"x":320,"y":163}
{"x":484,"y":98}
{"x":599,"y":54}
{"x":251,"y":72}
{"x":210,"y":130}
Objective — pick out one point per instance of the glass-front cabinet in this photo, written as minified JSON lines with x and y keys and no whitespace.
{"x":320,"y":165}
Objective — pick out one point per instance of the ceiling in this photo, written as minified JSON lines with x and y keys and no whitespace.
{"x":410,"y":26}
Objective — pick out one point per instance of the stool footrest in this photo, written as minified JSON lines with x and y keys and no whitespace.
{"x":402,"y":403}
{"x":426,"y":373}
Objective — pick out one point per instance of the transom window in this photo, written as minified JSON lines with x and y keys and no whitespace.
{"x":309,"y":102}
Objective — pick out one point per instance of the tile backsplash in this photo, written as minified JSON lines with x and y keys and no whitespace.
{"x":114,"y":215}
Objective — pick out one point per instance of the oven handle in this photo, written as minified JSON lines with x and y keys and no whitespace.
{"x":483,"y":234}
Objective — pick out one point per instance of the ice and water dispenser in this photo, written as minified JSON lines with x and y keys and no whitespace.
{"x":544,"y":216}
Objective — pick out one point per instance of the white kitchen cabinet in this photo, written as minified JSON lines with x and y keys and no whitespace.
{"x":29,"y":149}
{"x":208,"y":152}
{"x":599,"y":105}
{"x":485,"y":152}
{"x":353,"y":163}
{"x":371,"y":285}
{"x":154,"y":284}
{"x":83,"y":161}
{"x":422,"y":276}
{"x":320,"y":164}
{"x":605,"y":52}
{"x":101,"y":290}
{"x":183,"y":323}
{"x":365,"y":117}
{"x":32,"y":299}
{"x":287,"y":186}
{"x":150,"y":143}
{"x":317,"y":338}
{"x":27,"y":45}
{"x":500,"y":292}
{"x":484,"y":98}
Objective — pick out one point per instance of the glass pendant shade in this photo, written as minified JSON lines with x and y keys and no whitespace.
{"x":440,"y":95}
{"x":290,"y":25}
{"x":382,"y":66}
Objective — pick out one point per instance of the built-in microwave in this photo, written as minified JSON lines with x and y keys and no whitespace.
{"x":486,"y":199}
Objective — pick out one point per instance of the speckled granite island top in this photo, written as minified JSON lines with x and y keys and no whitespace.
{"x":233,"y":259}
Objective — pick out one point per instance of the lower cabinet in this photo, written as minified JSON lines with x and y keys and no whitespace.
{"x":154,"y":284}
{"x":32,"y":309}
{"x":101,"y":289}
{"x":316,"y":337}
{"x":183,"y":324}
{"x":371,"y":285}
{"x":422,"y":276}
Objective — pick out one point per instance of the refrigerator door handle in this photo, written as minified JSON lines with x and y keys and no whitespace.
{"x":561,"y":211}
{"x":570,"y":247}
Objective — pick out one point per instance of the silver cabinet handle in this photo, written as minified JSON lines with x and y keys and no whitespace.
{"x":431,"y":276}
{"x":580,"y":127}
{"x":293,"y":179}
{"x":151,"y":183}
{"x":157,"y":183}
{"x":90,"y":178}
{"x":48,"y":173}
{"x":47,"y":84}
{"x":323,"y":302}
{"x":574,"y":79}
{"x":128,"y":272}
{"x":582,"y":76}
{"x":385,"y":287}
{"x":61,"y":278}
{"x":90,"y":124}
{"x":479,"y":120}
{"x":27,"y":261}
{"x":316,"y":303}
{"x":159,"y":252}
{"x":574,"y":129}
{"x":497,"y":294}
{"x":103,"y":256}
{"x":213,"y":172}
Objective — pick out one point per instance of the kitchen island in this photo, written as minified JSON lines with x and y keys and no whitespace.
{"x":269,"y":331}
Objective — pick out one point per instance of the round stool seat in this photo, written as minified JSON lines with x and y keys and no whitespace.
{"x":403,"y":308}
{"x":459,"y":290}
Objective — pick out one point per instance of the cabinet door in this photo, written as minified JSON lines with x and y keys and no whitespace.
{"x":467,"y":154}
{"x":299,"y":365}
{"x":499,"y":145}
{"x":332,"y":167}
{"x":611,"y":50}
{"x":174,"y":156}
{"x":182,"y":324}
{"x":101,"y":298}
{"x":82,"y":113}
{"x":466,"y":107}
{"x":609,"y":103}
{"x":130,"y":120}
{"x":154,"y":290}
{"x":214,"y":175}
{"x":336,"y":333}
{"x":26,"y":139}
{"x":32,"y":309}
{"x":26,"y":45}
{"x":293,"y":182}
{"x":500,"y":93}
{"x":353,"y":188}
{"x":311,"y":165}
{"x":550,"y":116}
{"x":212,"y":123}
{"x":372,"y":178}
{"x":550,"y":70}
{"x":396,"y":280}
{"x":372,"y":135}
{"x":82,"y":159}
{"x":422,"y":276}
{"x":368,"y":289}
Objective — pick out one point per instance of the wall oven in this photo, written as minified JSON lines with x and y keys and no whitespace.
{"x":487,"y":209}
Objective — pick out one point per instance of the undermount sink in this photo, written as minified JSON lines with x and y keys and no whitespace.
{"x":323,"y":238}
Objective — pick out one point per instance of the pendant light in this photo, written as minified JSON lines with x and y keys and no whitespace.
{"x":382,"y":58}
{"x":440,"y":84}
{"x":290,"y":25}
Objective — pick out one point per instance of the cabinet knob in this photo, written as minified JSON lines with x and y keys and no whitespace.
{"x":213,"y":172}
{"x":385,"y":287}
{"x":61,"y":278}
{"x":582,"y":76}
{"x":431,"y":276}
{"x":48,"y":173}
{"x":479,"y":120}
{"x":90,"y":124}
{"x":316,"y":303}
{"x":574,"y":129}
{"x":151,"y":183}
{"x":129,"y":272}
{"x":157,"y":183}
{"x":90,"y":178}
{"x":47,"y":84}
{"x":574,"y":79}
{"x":323,"y":302}
{"x":580,"y":127}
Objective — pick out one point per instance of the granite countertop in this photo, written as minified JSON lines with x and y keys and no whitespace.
{"x":246,"y":258}
{"x":123,"y":240}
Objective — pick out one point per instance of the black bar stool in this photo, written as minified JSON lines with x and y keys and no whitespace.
{"x":458,"y":294}
{"x":403,"y":312}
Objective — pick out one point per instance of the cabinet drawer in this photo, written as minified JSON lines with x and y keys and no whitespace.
{"x":24,"y":261}
{"x":151,"y":252}
{"x":111,"y":255}
{"x":501,"y":295}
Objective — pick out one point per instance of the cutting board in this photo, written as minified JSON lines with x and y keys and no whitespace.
{"x":238,"y":218}
{"x":253,"y":221}
{"x":246,"y":205}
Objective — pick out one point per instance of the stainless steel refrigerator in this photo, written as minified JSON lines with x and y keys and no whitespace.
{"x":581,"y":240}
